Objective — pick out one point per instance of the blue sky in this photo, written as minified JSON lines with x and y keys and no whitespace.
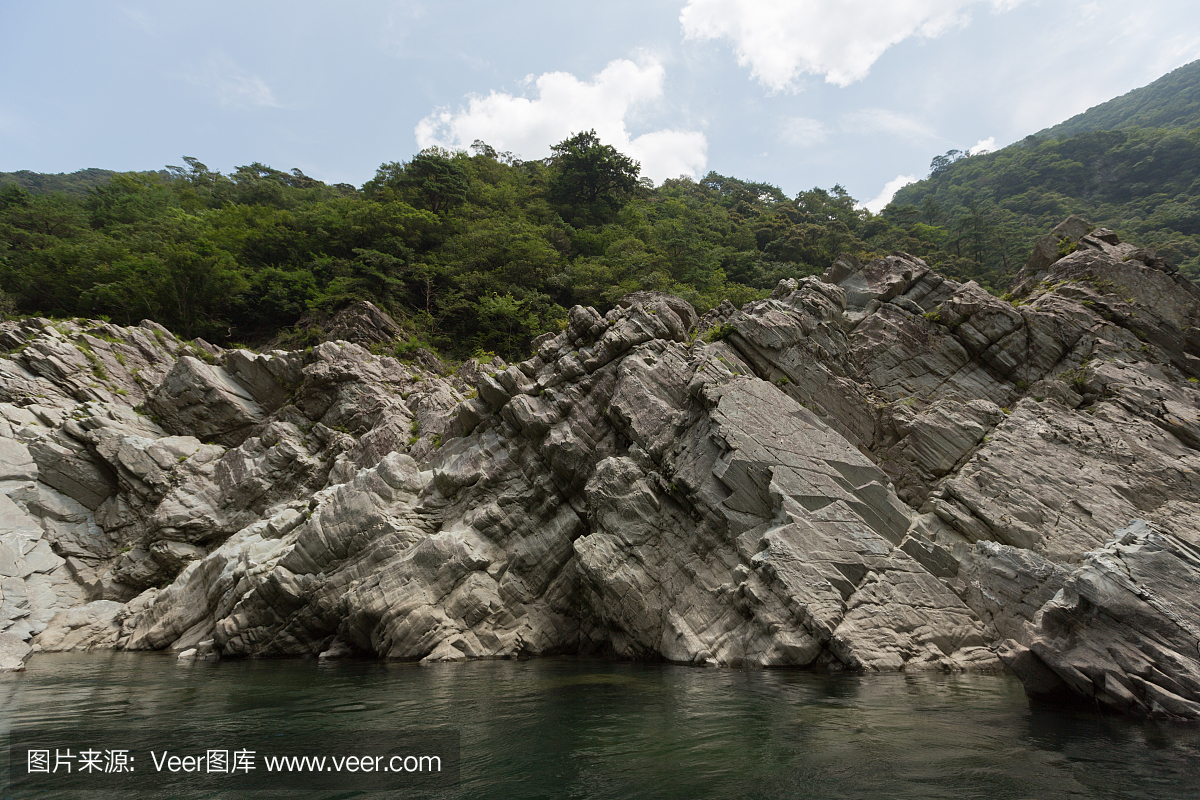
{"x":798,"y":94}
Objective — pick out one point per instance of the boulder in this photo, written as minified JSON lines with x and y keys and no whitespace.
{"x":205,"y":401}
{"x":1051,"y":247}
{"x":361,"y":322}
{"x":14,"y":652}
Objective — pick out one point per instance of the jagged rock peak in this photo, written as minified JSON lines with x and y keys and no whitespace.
{"x":361,"y":322}
{"x":1074,"y":234}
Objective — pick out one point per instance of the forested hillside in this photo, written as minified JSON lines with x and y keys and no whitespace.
{"x":481,"y":251}
{"x":1172,"y":101}
{"x":471,"y":252}
{"x":1143,"y":182}
{"x":79,"y":182}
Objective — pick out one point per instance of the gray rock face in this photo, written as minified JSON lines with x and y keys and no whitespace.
{"x":1123,"y":630}
{"x":1050,"y":247}
{"x":207,"y":401}
{"x":99,"y":503}
{"x":360,"y":322}
{"x":14,"y":652}
{"x":881,"y":469}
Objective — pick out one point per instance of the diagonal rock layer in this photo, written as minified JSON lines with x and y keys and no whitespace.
{"x":878,"y":469}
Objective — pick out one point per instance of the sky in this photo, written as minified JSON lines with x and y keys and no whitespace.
{"x":794,"y":93}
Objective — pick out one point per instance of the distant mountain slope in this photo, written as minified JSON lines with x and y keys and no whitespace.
{"x":1172,"y":101}
{"x":1131,"y":164}
{"x":72,"y":183}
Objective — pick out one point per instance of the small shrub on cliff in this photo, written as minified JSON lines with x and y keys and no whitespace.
{"x":720,"y":332}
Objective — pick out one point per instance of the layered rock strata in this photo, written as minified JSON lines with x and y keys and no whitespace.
{"x":881,"y":469}
{"x":1122,"y":628}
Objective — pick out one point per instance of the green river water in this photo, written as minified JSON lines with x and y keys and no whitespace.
{"x":570,"y":728}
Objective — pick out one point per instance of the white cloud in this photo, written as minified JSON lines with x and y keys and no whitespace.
{"x":983,"y":146}
{"x":1136,"y":46}
{"x":803,"y":131}
{"x":139,"y":18}
{"x":878,"y":203}
{"x":400,"y":19}
{"x":565,"y":105}
{"x":879,"y":120}
{"x":246,"y":90}
{"x":231,"y":86}
{"x":780,"y":40}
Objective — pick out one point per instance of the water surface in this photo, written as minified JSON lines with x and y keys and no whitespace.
{"x":568,"y":728}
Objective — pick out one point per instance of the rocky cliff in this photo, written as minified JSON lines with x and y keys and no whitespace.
{"x":879,"y":469}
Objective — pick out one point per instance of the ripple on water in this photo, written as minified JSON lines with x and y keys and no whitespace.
{"x":571,"y":728}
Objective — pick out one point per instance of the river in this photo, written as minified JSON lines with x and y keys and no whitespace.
{"x":571,"y":728}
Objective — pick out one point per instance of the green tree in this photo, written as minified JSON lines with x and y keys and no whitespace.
{"x":590,"y":181}
{"x":439,"y":179}
{"x":434,"y":179}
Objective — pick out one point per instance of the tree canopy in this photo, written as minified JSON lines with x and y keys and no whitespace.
{"x":590,"y":181}
{"x":1142,"y":183}
{"x":477,"y":252}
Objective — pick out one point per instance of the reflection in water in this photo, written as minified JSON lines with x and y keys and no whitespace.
{"x":566,"y":728}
